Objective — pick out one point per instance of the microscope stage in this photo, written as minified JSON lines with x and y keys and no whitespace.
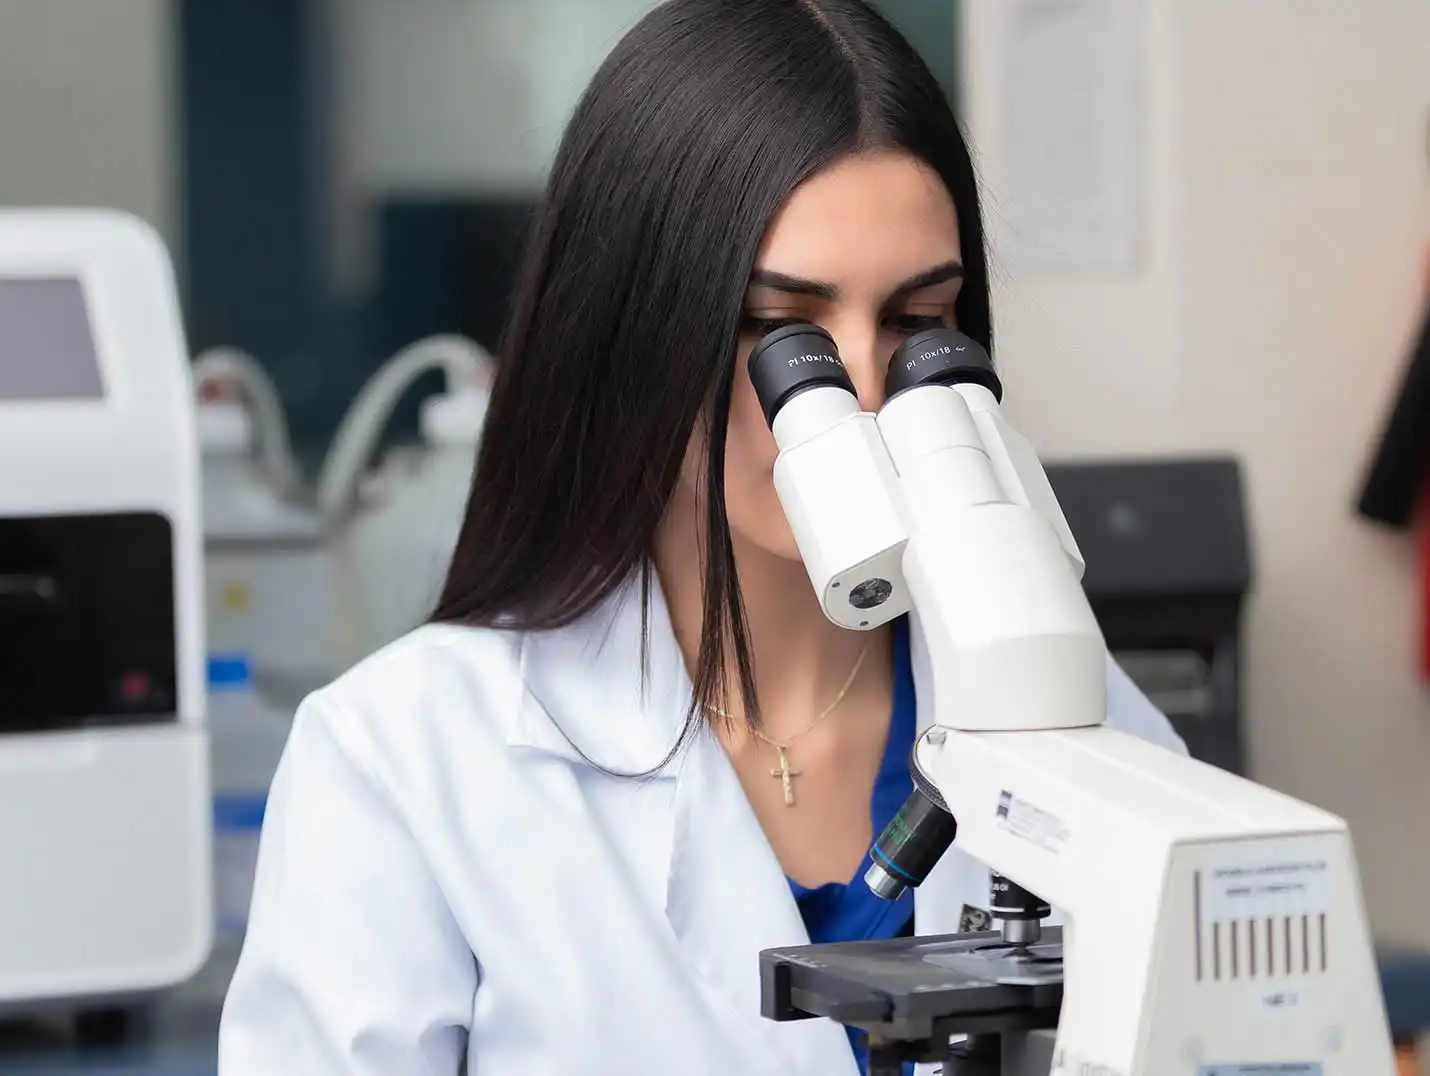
{"x":920,"y":988}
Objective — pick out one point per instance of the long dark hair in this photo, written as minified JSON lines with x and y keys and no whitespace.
{"x":624,"y":326}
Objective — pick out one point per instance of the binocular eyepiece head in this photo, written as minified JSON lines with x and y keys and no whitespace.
{"x":798,"y":357}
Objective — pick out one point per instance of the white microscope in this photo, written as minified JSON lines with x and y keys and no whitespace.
{"x":1211,"y":927}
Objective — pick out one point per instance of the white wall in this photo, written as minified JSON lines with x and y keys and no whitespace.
{"x":1287,"y":219}
{"x":86,"y":106}
{"x":465,"y":96}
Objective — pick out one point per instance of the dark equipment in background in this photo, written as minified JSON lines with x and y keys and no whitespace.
{"x":1398,"y":474}
{"x":447,"y":266}
{"x":1168,"y":569}
{"x":1398,"y":470}
{"x":444,"y":265}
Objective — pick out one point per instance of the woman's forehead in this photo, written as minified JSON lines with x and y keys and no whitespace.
{"x":869,"y":220}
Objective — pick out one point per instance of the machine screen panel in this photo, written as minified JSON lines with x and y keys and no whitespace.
{"x":47,"y":348}
{"x":88,"y":627}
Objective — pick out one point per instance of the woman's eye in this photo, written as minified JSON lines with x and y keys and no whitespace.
{"x":756,"y":326}
{"x":914,"y":323}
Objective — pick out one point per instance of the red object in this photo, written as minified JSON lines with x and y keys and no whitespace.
{"x":134,"y":687}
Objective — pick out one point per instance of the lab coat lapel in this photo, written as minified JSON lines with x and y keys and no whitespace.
{"x":592,"y":701}
{"x":729,"y":901}
{"x":694,"y":841}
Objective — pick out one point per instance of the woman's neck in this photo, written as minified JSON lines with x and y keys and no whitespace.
{"x":801,"y":660}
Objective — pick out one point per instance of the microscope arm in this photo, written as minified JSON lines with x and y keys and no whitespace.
{"x":1202,"y":912}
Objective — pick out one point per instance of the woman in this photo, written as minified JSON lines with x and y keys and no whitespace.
{"x":551,"y":831}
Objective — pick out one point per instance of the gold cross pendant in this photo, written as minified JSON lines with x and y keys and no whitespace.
{"x":786,"y":776}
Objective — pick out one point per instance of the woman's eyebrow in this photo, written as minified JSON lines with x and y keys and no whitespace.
{"x":794,"y":285}
{"x":823,"y":289}
{"x":939,"y":274}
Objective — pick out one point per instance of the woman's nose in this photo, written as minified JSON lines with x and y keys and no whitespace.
{"x":859,"y":351}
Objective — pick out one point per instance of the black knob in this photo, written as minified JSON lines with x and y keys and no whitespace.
{"x":941,"y":357}
{"x":792,"y":359}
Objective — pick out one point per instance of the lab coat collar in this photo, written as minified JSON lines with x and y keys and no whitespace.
{"x":588,"y":701}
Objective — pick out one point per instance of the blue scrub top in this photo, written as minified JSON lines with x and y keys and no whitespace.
{"x":838,"y":912}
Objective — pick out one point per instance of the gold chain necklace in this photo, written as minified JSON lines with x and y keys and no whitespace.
{"x":785,"y":774}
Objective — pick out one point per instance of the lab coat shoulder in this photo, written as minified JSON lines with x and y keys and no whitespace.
{"x":325,"y":984}
{"x":436,"y":825}
{"x":397,"y":711}
{"x":1129,"y":709}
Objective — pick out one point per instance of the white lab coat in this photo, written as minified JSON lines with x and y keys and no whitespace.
{"x":444,"y":880}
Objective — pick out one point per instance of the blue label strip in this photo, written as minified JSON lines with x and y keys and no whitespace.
{"x":228,"y":672}
{"x":235,"y":812}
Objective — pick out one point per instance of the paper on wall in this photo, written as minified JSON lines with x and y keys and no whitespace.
{"x":1073,"y":100}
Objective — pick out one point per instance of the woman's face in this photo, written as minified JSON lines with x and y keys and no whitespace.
{"x":867,"y":249}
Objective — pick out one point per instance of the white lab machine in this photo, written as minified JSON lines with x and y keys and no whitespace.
{"x":393,"y":527}
{"x":229,"y":375}
{"x":105,"y":839}
{"x":273,"y":603}
{"x":299,"y":587}
{"x":1212,"y":927}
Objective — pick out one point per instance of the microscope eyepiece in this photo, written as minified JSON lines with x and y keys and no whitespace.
{"x":792,"y":359}
{"x":941,"y":357}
